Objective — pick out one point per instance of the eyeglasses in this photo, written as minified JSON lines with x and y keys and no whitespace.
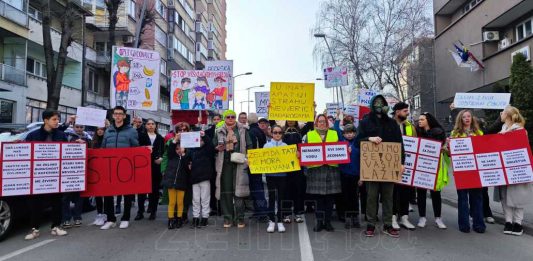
{"x":230,"y":117}
{"x":277,"y":132}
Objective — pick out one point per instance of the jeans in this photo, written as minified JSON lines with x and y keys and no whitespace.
{"x":487,"y":212}
{"x":350,"y":194}
{"x":109,"y":209}
{"x":470,"y":203}
{"x":373,"y":191}
{"x":257,"y":191}
{"x":74,"y":213}
{"x":436,"y":200}
{"x":99,"y":205}
{"x":276,"y":197}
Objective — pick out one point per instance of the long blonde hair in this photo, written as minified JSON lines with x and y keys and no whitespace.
{"x":459,"y":128}
{"x":514,"y":114}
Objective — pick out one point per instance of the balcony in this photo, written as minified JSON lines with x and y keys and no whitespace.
{"x":14,"y":14}
{"x":200,"y":28}
{"x":102,"y":57}
{"x":12,"y":75}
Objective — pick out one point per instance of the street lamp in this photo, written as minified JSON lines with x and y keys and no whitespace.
{"x":321,"y":35}
{"x":233,"y":98}
{"x":248,"y":89}
{"x":247,"y":102}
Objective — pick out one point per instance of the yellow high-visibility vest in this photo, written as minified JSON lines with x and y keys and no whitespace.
{"x":314,"y":137}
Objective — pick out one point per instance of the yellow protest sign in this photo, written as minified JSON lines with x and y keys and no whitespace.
{"x":273,"y":160}
{"x":292,"y":101}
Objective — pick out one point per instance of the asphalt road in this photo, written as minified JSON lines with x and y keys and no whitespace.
{"x":150,"y":240}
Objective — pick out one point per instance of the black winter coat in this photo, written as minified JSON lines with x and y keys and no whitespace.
{"x":434,"y":134}
{"x":257,"y":136}
{"x":386,"y":128}
{"x":203,"y":161}
{"x":292,"y":137}
{"x":177,"y":174}
{"x":41,"y":135}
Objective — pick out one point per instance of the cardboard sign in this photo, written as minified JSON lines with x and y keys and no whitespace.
{"x":121,"y":171}
{"x":324,"y":153}
{"x":190,"y":117}
{"x":365,"y":95}
{"x":497,"y":101}
{"x":273,"y":160}
{"x":190,"y":139}
{"x":199,"y":90}
{"x":90,"y":117}
{"x":491,"y":160}
{"x":262,"y":99}
{"x":30,"y":168}
{"x":381,"y":163}
{"x":292,"y":101}
{"x":135,"y":78}
{"x":422,"y":161}
{"x":335,"y":76}
{"x":331,"y":109}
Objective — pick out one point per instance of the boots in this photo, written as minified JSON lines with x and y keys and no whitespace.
{"x":195,"y":223}
{"x":329,"y":227}
{"x":319,"y":226}
{"x":171,"y":223}
{"x":178,"y":222}
{"x":203,"y":222}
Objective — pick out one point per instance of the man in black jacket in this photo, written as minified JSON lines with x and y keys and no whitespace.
{"x":257,"y":190}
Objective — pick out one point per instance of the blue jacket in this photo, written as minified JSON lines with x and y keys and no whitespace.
{"x":272,"y":144}
{"x":123,"y":137}
{"x":351,"y":168}
{"x":40,"y":135}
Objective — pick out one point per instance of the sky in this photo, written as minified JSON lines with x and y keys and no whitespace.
{"x":273,"y":40}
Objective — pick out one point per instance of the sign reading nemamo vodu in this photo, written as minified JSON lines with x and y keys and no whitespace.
{"x":497,"y":101}
{"x":273,"y":160}
{"x":135,"y":78}
{"x":381,"y":162}
{"x":324,"y":153}
{"x":292,"y":101}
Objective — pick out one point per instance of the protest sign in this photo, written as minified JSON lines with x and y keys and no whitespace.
{"x":497,"y":101}
{"x":190,"y":117}
{"x":135,"y":78}
{"x":491,"y":160}
{"x":273,"y":160}
{"x":357,"y":111}
{"x":335,"y":76}
{"x":365,"y":95}
{"x":190,"y":139}
{"x":30,"y":168}
{"x":292,"y":101}
{"x":381,"y":162}
{"x":262,"y":99}
{"x":422,"y":161}
{"x":222,"y":66}
{"x":324,"y":153}
{"x":199,"y":90}
{"x":90,"y":117}
{"x":123,"y":171}
{"x":331,"y":109}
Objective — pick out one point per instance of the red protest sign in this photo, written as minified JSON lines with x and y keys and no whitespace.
{"x":491,"y":160}
{"x":121,"y":171}
{"x":422,"y":161}
{"x":190,"y":117}
{"x":30,"y":168}
{"x":323,"y":153}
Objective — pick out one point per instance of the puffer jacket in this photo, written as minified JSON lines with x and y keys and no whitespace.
{"x":123,"y":137}
{"x":203,"y":161}
{"x":177,"y":174}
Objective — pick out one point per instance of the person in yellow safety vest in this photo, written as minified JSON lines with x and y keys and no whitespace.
{"x":402,"y":194}
{"x":323,"y":181}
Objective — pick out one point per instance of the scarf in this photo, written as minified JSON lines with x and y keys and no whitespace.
{"x":231,"y":139}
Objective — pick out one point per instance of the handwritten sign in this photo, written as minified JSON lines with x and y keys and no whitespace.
{"x":497,"y":101}
{"x":335,"y":76}
{"x":422,"y":159}
{"x":262,"y":99}
{"x":324,"y":153}
{"x":292,"y":101}
{"x":121,"y":171}
{"x":90,"y":117}
{"x":225,"y":66}
{"x":381,"y":163}
{"x":190,"y":139}
{"x":273,"y":160}
{"x":365,"y":95}
{"x":331,"y":108}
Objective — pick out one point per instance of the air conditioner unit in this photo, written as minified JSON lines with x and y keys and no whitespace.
{"x":491,"y":36}
{"x":128,"y":39}
{"x":504,"y":43}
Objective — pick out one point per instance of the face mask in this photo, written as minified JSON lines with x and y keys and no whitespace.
{"x":381,"y":109}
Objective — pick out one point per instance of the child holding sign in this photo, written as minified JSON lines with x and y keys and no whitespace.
{"x":350,"y":179}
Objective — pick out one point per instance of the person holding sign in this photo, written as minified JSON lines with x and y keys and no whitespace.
{"x":513,"y":197}
{"x":323,"y":181}
{"x":378,"y":127}
{"x":202,"y":170}
{"x":350,"y":179}
{"x":430,"y":128}
{"x":232,"y":141}
{"x":469,"y":201}
{"x":295,"y":179}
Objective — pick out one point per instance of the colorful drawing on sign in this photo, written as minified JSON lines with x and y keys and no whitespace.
{"x":262,"y":99}
{"x":273,"y":160}
{"x":227,"y":68}
{"x":491,"y":160}
{"x":135,"y":78}
{"x":199,"y":90}
{"x":323,"y":153}
{"x":381,"y":163}
{"x":292,"y":101}
{"x":335,"y":76}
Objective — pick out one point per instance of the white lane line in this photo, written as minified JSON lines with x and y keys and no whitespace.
{"x":306,"y":251}
{"x":26,"y":249}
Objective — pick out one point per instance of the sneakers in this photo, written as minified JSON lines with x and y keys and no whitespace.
{"x":77,"y":223}
{"x":287,"y":219}
{"x":57,"y":231}
{"x":439,"y":223}
{"x":107,"y":225}
{"x":490,"y":220}
{"x":421,"y":222}
{"x":271,"y":227}
{"x":100,"y":220}
{"x":281,"y":227}
{"x":370,"y":230}
{"x":395,"y":222}
{"x":66,"y":224}
{"x":508,"y":229}
{"x":411,"y":209}
{"x":390,"y":231}
{"x":517,"y":229}
{"x":34,"y":233}
{"x":298,"y":219}
{"x":406,"y":224}
{"x":124,"y":224}
{"x":241,"y":224}
{"x":227,"y":224}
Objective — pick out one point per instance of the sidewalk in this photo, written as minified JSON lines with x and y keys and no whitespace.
{"x":449,"y":196}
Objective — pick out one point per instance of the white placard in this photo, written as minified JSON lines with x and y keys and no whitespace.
{"x":488,"y":161}
{"x":16,"y":151}
{"x":352,"y":110}
{"x":424,"y":180}
{"x":464,"y":162}
{"x":262,"y":99}
{"x":407,"y":176}
{"x":461,"y":145}
{"x":332,"y":108}
{"x":427,"y":164}
{"x":493,"y":177}
{"x":337,"y":152}
{"x":72,"y":183}
{"x":409,"y":160}
{"x":497,"y":101}
{"x":430,"y":148}
{"x":44,"y":168}
{"x":513,"y":158}
{"x":410,"y":144}
{"x":190,"y":139}
{"x":90,"y":117}
{"x":365,"y":95}
{"x":522,"y":174}
{"x":43,"y":151}
{"x":73,"y":150}
{"x":15,"y":187}
{"x":311,"y":154}
{"x":16,"y":169}
{"x":72,"y":167}
{"x":335,"y":76}
{"x":46,"y":185}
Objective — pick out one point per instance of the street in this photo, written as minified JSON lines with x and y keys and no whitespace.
{"x":150,"y":240}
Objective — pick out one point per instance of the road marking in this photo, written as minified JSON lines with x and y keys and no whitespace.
{"x":26,"y":249}
{"x":306,"y":251}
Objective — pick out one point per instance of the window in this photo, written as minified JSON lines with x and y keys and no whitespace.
{"x":93,"y":81}
{"x":416,"y":101}
{"x":131,"y":9}
{"x":163,"y":67}
{"x":471,"y":5}
{"x":524,"y":30}
{"x":35,"y":14}
{"x":36,"y":67}
{"x":35,"y":108}
{"x":160,"y":36}
{"x":164,"y":103}
{"x":163,"y":128}
{"x":6,"y":111}
{"x":161,"y":9}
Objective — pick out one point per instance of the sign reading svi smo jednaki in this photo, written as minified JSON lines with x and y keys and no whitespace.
{"x":324,"y":153}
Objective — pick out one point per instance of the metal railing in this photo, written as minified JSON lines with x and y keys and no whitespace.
{"x":13,"y":14}
{"x":12,"y":75}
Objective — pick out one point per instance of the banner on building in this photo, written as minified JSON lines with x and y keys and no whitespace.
{"x":422,"y":161}
{"x":225,"y":66}
{"x":292,"y":101}
{"x":262,"y":99}
{"x":491,"y":160}
{"x":324,"y":153}
{"x":122,"y":171}
{"x":365,"y":95}
{"x":381,"y":162}
{"x":30,"y":168}
{"x":135,"y":78}
{"x":496,"y":101}
{"x":199,"y":90}
{"x":335,"y":76}
{"x":273,"y":160}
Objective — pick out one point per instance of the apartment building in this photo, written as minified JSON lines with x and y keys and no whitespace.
{"x":492,"y":30}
